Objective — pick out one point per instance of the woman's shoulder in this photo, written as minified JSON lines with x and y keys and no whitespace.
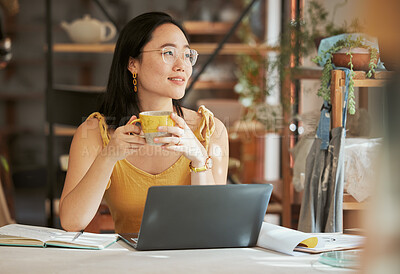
{"x":89,"y":131}
{"x":91,"y":123}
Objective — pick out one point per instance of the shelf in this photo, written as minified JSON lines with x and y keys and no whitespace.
{"x":202,"y":48}
{"x":370,"y":83}
{"x":360,"y":79}
{"x":8,"y":96}
{"x":19,"y":130}
{"x":384,"y":74}
{"x":349,"y":203}
{"x":377,"y":80}
{"x":62,"y":130}
{"x":77,"y":88}
{"x":84,"y":48}
{"x":307,"y":73}
{"x":274,"y":208}
{"x":232,"y":48}
{"x":205,"y":27}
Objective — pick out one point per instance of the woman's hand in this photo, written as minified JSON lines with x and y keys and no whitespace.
{"x":124,"y":141}
{"x":183,"y":140}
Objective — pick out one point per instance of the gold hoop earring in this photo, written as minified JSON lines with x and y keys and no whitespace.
{"x":134,"y":82}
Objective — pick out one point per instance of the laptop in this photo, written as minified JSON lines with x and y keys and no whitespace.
{"x":187,"y":217}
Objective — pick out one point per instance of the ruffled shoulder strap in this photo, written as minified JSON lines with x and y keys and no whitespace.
{"x":206,"y":127}
{"x":102,"y":126}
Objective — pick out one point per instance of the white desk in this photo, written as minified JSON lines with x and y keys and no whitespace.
{"x":120,"y":258}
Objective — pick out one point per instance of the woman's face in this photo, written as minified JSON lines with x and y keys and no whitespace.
{"x":155,"y":77}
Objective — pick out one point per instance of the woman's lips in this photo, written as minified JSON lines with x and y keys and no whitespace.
{"x":177,"y":80}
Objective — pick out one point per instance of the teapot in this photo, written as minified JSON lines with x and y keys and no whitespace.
{"x":89,"y":30}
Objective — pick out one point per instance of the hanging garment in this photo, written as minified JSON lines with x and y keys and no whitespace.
{"x":322,"y":204}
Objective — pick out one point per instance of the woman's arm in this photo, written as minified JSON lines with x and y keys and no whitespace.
{"x":89,"y":170}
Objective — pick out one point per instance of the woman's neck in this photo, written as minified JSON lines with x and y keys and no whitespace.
{"x":149,"y":104}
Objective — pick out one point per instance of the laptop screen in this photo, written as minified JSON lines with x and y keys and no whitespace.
{"x":212,"y":216}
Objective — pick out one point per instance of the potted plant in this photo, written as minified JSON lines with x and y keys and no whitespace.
{"x":303,"y":35}
{"x":350,"y":52}
{"x":254,"y":84}
{"x":298,"y":40}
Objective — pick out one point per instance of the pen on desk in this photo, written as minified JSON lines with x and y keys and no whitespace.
{"x":329,"y":239}
{"x":77,"y":235}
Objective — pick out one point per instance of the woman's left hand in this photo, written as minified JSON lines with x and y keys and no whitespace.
{"x":183,"y":140}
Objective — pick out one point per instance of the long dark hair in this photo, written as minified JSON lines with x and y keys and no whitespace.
{"x":120,"y":101}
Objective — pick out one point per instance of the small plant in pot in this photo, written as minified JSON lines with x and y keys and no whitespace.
{"x":350,"y":52}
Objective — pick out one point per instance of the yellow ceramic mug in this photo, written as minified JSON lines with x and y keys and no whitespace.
{"x":150,"y":121}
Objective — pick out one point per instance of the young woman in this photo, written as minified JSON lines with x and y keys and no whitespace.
{"x":150,"y":70}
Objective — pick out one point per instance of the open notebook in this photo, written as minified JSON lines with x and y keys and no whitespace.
{"x":27,"y":235}
{"x":288,"y":241}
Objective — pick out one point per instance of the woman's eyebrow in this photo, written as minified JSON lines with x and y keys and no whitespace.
{"x":172,"y":45}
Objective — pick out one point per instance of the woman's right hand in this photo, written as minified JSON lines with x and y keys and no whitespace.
{"x":124,"y":141}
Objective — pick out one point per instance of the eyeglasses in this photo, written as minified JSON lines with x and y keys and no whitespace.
{"x":170,"y":55}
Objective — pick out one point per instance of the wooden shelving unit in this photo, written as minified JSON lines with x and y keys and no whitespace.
{"x":202,"y":48}
{"x":360,"y":80}
{"x":337,"y":84}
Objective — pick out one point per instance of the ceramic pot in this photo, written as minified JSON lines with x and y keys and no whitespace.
{"x":361,"y":58}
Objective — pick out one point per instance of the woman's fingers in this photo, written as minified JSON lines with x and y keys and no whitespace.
{"x":178,"y":131}
{"x":134,"y":139}
{"x":131,"y":119}
{"x":181,"y":135}
{"x":129,"y":134}
{"x":179,"y":121}
{"x":129,"y":129}
{"x":173,"y":140}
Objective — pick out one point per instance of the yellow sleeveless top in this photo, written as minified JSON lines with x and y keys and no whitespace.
{"x":127,"y":189}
